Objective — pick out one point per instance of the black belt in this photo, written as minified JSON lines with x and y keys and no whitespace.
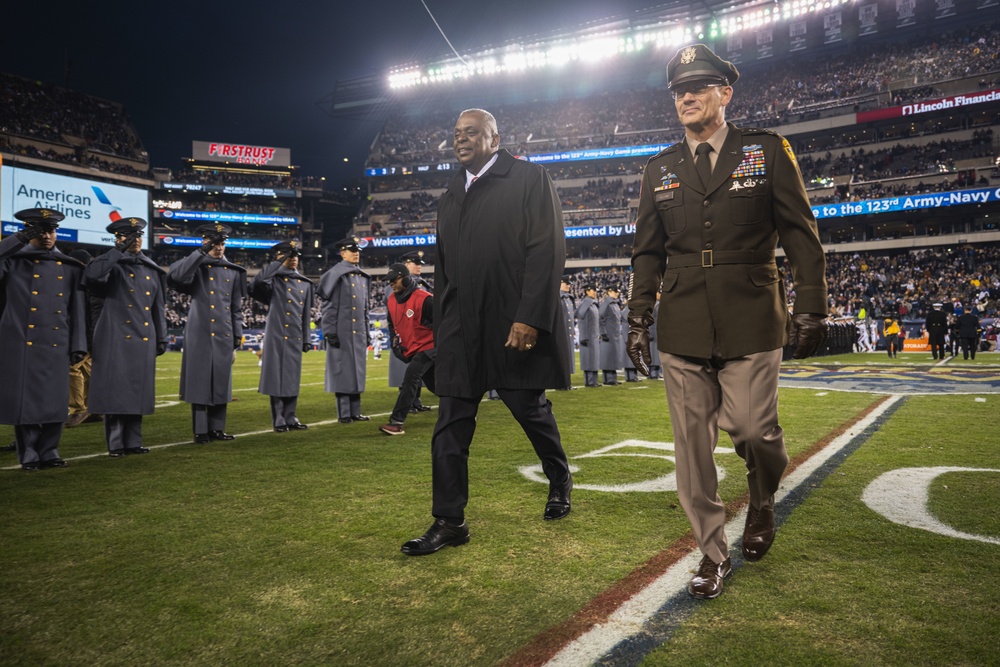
{"x":709,"y":258}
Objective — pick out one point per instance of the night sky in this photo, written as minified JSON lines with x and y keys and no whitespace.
{"x":252,"y":72}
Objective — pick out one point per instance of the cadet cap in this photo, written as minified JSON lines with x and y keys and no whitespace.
{"x":215,"y":231}
{"x":126,"y":226}
{"x":417,"y":257}
{"x":290,"y":248}
{"x":43,"y":218}
{"x":350,"y":243}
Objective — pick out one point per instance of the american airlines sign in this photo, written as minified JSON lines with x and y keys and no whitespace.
{"x":211,"y":151}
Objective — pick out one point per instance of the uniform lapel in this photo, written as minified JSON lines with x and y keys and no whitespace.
{"x":685,"y":169}
{"x":729,"y":159}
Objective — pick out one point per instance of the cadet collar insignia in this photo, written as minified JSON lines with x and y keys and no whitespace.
{"x":753,"y":163}
{"x":688,"y":55}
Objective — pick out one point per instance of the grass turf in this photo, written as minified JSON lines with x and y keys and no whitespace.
{"x":284,"y":548}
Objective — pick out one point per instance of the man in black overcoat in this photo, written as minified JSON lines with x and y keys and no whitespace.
{"x":498,"y":324}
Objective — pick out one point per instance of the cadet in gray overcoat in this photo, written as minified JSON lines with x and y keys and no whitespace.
{"x":289,"y":296}
{"x":130,"y":333}
{"x":569,"y":317}
{"x":655,"y":369}
{"x":612,"y":345}
{"x":343,"y":293}
{"x":588,"y":317}
{"x":214,"y":330}
{"x":43,"y":329}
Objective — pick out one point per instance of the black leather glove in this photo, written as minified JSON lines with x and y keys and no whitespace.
{"x":809,"y":334}
{"x":637,"y":344}
{"x":605,"y":339}
{"x":399,"y":352}
{"x":126,"y":242}
{"x":29,"y":232}
{"x":307,"y":347}
{"x":237,"y":344}
{"x":77,"y":357}
{"x":332,"y":340}
{"x":206,"y":246}
{"x":161,"y":348}
{"x":584,"y":343}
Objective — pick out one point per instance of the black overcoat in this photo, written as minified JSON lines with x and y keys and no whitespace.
{"x":501,"y":250}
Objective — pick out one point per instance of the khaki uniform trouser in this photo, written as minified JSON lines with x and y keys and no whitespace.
{"x":740,"y":396}
{"x":79,"y":385}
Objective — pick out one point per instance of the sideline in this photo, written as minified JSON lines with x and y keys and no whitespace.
{"x":625,"y":623}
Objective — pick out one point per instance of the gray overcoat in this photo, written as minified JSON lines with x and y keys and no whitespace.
{"x":132,"y":322}
{"x":588,"y":318}
{"x":214,"y":326}
{"x":611,"y":326}
{"x":42,"y":324}
{"x":569,"y":320}
{"x":289,"y":296}
{"x":343,"y":293}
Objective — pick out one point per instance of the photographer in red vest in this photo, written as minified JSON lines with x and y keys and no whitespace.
{"x":411,"y":310}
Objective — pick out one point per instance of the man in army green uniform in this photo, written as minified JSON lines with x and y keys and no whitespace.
{"x":711,"y":211}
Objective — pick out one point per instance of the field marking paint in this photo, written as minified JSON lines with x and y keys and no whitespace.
{"x":630,"y":619}
{"x":664,"y":483}
{"x":902,"y":495}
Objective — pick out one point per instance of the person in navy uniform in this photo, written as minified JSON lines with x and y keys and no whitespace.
{"x":612,"y":345}
{"x":589,"y":322}
{"x":289,"y":297}
{"x":43,"y":329}
{"x":411,"y":315}
{"x":214,"y":330}
{"x":343,"y":293}
{"x":414,"y":263}
{"x":129,"y":334}
{"x":501,"y":251}
{"x":711,"y":210}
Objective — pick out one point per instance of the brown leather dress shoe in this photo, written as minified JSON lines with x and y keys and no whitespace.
{"x":707,"y":584}
{"x":758,"y":533}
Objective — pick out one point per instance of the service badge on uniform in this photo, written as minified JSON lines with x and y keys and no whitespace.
{"x":688,"y":55}
{"x":788,"y":149}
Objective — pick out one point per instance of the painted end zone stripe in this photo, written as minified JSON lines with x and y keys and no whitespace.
{"x":620,"y":616}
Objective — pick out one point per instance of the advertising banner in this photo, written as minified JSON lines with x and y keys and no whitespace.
{"x":213,"y":151}
{"x":939,"y":104}
{"x":231,"y":242}
{"x":225,"y":216}
{"x":907,"y":203}
{"x":89,"y":206}
{"x":231,"y":190}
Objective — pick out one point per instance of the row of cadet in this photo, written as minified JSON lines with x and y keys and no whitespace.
{"x":105,"y":318}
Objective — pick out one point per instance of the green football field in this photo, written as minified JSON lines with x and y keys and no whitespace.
{"x":283,"y":549}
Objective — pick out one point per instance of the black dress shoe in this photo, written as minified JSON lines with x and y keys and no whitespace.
{"x":31,"y":467}
{"x":419,"y":408}
{"x":281,"y":429}
{"x":117,"y":454}
{"x":346,"y":420}
{"x":220,"y":435}
{"x":299,"y":426}
{"x":438,"y":536}
{"x":558,"y":504}
{"x":360,"y":418}
{"x":758,"y":533}
{"x":137,"y":450}
{"x":202,"y":438}
{"x":707,"y":584}
{"x":54,"y":463}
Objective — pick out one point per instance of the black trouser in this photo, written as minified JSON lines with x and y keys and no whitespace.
{"x":969,"y":346}
{"x":937,"y":348}
{"x":891,"y":341}
{"x":453,"y":433}
{"x":420,"y":369}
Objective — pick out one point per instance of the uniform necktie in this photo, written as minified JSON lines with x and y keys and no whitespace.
{"x":704,"y":164}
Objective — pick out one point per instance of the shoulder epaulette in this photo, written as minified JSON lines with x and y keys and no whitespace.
{"x":666,"y":151}
{"x":759,"y":130}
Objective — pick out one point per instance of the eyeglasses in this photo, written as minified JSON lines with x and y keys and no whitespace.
{"x":695,"y":89}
